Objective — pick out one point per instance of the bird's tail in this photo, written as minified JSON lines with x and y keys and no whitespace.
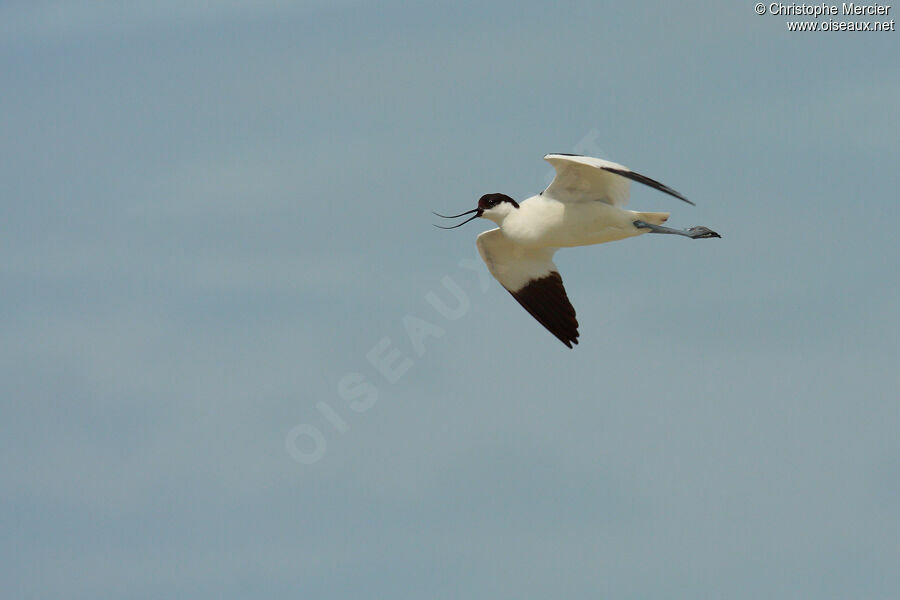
{"x":653,"y":218}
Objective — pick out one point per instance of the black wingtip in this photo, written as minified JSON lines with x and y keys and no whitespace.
{"x":545,"y":299}
{"x":649,"y":182}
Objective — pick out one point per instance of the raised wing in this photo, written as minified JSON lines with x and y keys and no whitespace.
{"x":533,"y":280}
{"x":583,"y":178}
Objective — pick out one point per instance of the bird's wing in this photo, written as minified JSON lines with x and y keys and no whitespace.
{"x":583,"y":178}
{"x":533,"y":280}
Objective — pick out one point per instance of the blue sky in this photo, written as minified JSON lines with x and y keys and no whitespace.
{"x":211,"y":216}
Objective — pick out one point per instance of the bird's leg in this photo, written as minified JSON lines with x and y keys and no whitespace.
{"x":695,"y":233}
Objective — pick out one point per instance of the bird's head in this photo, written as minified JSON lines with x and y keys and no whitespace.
{"x":495,"y":207}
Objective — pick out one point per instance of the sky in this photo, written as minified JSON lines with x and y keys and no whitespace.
{"x":237,"y":360}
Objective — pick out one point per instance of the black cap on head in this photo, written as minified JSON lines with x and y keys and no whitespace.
{"x":489,"y":201}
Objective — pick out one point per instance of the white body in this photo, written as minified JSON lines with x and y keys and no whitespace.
{"x":547,"y":222}
{"x":584,"y":205}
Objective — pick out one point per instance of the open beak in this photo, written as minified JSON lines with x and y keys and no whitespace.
{"x":477,"y":214}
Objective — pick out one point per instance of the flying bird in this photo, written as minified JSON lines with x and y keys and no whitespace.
{"x":582,"y":206}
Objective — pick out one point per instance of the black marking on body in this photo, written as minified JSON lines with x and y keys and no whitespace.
{"x":545,"y":299}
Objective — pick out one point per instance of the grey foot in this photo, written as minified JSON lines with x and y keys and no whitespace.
{"x":695,"y":233}
{"x":700,"y":232}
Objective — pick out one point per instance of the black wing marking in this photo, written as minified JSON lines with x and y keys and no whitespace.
{"x":647,"y":181}
{"x":546,"y":300}
{"x":629,"y":174}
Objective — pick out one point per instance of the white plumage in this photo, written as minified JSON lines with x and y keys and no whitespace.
{"x":583,"y":205}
